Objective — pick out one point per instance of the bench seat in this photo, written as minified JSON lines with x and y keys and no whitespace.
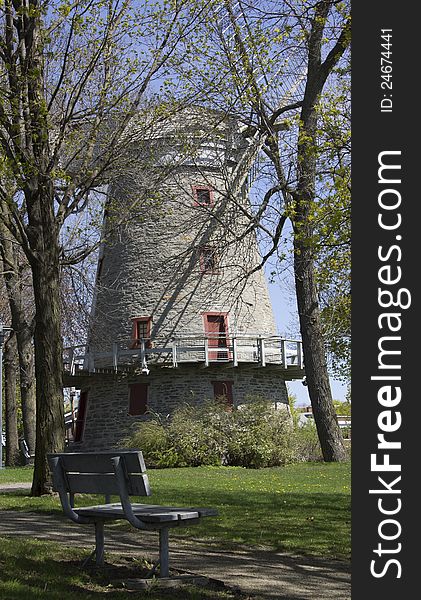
{"x":149,"y":513}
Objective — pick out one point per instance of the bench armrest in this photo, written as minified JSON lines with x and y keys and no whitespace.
{"x":60,"y":486}
{"x":124,"y":495}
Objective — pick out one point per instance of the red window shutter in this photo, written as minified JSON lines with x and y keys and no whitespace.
{"x":223,"y":389}
{"x":138,"y":399}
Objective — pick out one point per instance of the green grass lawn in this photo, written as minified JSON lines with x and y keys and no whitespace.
{"x":302,"y":508}
{"x":16,"y":475}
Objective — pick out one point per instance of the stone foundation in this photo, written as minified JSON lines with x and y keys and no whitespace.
{"x":108,"y":421}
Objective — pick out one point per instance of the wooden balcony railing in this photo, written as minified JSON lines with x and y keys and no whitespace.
{"x":206,"y":349}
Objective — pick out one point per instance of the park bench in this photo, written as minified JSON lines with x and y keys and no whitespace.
{"x":121,"y":473}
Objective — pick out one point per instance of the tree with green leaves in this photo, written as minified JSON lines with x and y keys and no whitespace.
{"x":333,"y":223}
{"x":77,"y":88}
{"x":273,"y":66}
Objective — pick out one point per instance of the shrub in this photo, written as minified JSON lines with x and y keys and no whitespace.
{"x":307,"y":445}
{"x":193,"y":436}
{"x":154,"y":440}
{"x":253,"y":435}
{"x":261,"y":436}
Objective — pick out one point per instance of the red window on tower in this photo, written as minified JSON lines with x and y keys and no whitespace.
{"x":216,"y":331}
{"x":138,"y":399}
{"x":203,"y":195}
{"x":209,"y":261}
{"x":223,"y":391}
{"x":141,"y":330}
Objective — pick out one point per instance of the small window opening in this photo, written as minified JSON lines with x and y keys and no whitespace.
{"x":203,"y":195}
{"x":223,"y":390}
{"x":138,"y":399}
{"x":209,"y":260}
{"x":141,"y":330}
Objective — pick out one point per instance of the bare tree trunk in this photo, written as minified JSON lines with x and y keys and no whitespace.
{"x":48,"y":370}
{"x":22,"y":325}
{"x":317,"y":377}
{"x":27,"y":385}
{"x":10,"y":372}
{"x":45,"y":265}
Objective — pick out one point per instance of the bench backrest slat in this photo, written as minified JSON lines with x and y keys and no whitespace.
{"x":104,"y":483}
{"x":99,"y":462}
{"x":93,"y":473}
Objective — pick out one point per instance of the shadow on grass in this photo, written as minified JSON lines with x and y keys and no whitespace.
{"x":32,"y":569}
{"x":308,"y":523}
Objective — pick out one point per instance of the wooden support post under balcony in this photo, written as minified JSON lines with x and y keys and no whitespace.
{"x":206,"y":352}
{"x":72,"y":361}
{"x":234,"y":352}
{"x":174,"y":353}
{"x":284,"y":353}
{"x":300,"y":355}
{"x":142,"y":355}
{"x":261,"y":347}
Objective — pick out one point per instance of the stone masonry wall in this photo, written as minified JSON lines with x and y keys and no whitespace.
{"x":152,"y":268}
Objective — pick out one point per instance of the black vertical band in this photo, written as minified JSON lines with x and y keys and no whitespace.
{"x":385,"y":296}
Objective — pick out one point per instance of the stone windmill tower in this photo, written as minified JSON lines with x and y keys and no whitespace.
{"x":177,"y":316}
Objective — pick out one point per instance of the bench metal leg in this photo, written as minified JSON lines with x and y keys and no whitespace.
{"x":164,"y":553}
{"x":99,"y":543}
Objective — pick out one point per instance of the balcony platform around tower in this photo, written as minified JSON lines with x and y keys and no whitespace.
{"x":228,"y":352}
